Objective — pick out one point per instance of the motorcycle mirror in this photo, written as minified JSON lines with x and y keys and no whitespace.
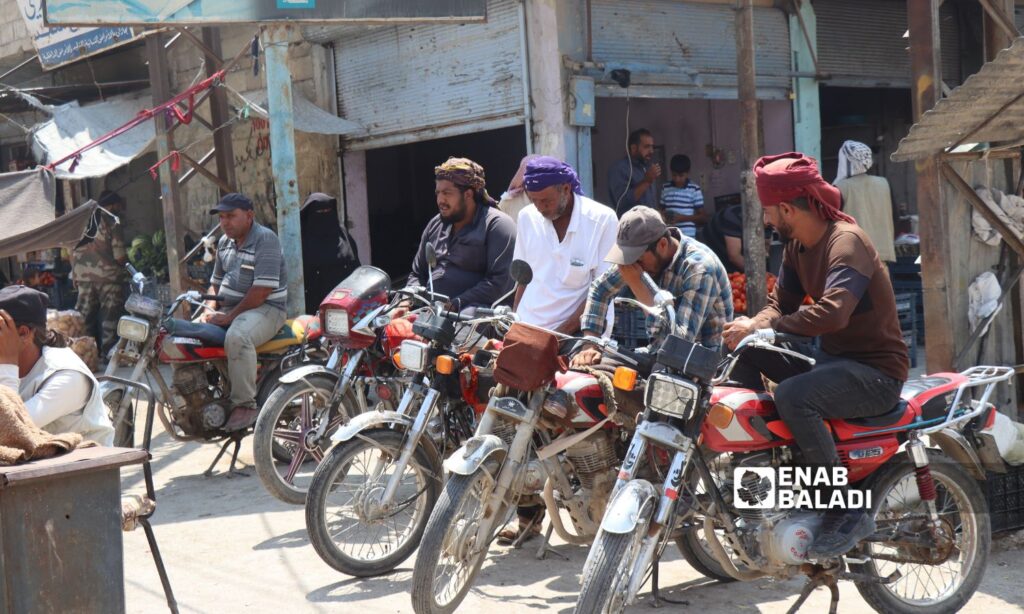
{"x":521,"y":272}
{"x":431,"y":256}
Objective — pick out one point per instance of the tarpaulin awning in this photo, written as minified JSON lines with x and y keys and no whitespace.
{"x":66,"y":231}
{"x":72,"y":127}
{"x":987,"y":108}
{"x":309,"y":117}
{"x":26,"y":201}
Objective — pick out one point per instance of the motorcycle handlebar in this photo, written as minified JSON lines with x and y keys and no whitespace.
{"x":788,"y":338}
{"x":211,"y":297}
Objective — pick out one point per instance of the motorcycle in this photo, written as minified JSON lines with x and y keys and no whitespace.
{"x":371,"y":496}
{"x":554,"y":442}
{"x":196,"y":404}
{"x":933,"y":533}
{"x":296,"y":422}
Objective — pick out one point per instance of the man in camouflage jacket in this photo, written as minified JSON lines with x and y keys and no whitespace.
{"x":99,"y":273}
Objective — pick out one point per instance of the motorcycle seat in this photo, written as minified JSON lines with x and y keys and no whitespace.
{"x":210,"y":334}
{"x":889,"y":418}
{"x":294,"y":332}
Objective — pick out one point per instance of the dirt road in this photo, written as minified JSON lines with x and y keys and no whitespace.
{"x":230,"y":547}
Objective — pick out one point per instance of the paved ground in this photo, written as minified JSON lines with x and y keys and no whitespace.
{"x":230,"y":547}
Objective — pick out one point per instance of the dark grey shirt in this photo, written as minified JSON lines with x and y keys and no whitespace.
{"x":619,"y":181}
{"x":258,"y":262}
{"x":472,"y":264}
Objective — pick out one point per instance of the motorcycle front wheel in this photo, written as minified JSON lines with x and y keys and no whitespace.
{"x":122,"y":418}
{"x":284,"y":456}
{"x":345,"y":522}
{"x":609,"y":567}
{"x":955,"y":567}
{"x":450,"y":556}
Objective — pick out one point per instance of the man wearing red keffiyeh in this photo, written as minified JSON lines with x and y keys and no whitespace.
{"x":862,"y":363}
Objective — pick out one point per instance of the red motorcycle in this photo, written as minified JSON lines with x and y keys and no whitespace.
{"x":294,"y":428}
{"x":195,"y":404}
{"x":699,"y":472}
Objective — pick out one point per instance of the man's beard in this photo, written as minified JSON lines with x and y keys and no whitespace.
{"x":660,"y":267}
{"x":785,"y":230}
{"x":456,"y":215}
{"x":563,"y":204}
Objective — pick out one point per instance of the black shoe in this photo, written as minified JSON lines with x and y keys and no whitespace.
{"x":840,"y":533}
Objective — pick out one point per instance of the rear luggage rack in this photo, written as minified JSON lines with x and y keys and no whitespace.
{"x":986,"y":376}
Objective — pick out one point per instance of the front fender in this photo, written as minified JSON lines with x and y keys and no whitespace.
{"x":300,"y":373}
{"x":474,"y":452}
{"x":623,"y":512}
{"x":369,"y":420}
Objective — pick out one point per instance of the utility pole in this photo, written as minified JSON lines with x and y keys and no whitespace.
{"x":923,"y":22}
{"x":282,"y":160}
{"x":750,"y":150}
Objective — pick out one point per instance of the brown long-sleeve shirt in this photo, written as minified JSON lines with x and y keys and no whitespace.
{"x":854,"y":308}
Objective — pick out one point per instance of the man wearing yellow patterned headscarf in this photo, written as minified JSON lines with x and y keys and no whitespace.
{"x":474,"y":241}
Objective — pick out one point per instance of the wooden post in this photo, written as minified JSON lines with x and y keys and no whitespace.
{"x":219,"y":114}
{"x":159,"y":78}
{"x":750,"y":150}
{"x":923,"y":22}
{"x":997,"y":26}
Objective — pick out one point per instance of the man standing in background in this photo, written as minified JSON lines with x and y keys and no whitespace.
{"x":866,"y":198}
{"x":631,"y":179}
{"x":98,"y":271}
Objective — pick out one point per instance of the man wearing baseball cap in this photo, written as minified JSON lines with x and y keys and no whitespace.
{"x":249,"y":275}
{"x":60,"y":393}
{"x":686,"y":268}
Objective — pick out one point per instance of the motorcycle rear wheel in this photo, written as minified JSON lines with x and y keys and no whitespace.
{"x":354,"y":459}
{"x":281,"y":458}
{"x":455,"y":517}
{"x":961,"y":502}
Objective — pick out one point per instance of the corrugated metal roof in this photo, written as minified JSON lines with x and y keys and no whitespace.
{"x":998,"y":84}
{"x":689,"y":45}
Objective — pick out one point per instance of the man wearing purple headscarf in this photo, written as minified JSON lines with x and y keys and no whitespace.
{"x":564,"y":236}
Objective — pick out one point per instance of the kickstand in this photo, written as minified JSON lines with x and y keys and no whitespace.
{"x":655,"y":592}
{"x":813,"y":582}
{"x":234,"y":438}
{"x":545,"y":548}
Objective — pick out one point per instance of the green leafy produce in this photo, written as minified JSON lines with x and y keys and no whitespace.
{"x":148,"y":254}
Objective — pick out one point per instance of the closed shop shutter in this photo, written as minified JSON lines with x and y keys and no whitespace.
{"x":861,"y":44}
{"x":413,"y":83}
{"x":686,"y":50}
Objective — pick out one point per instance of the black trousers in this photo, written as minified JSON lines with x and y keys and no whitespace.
{"x":834,"y":388}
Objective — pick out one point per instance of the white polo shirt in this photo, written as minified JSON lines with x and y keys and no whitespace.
{"x":562,"y":271}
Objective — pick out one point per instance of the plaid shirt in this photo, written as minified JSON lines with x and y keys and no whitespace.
{"x":699,"y":283}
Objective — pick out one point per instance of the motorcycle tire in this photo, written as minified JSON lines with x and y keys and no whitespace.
{"x":447,"y":516}
{"x":335,"y":466}
{"x":699,"y":557}
{"x":609,"y":565}
{"x":954,"y":485}
{"x":124,"y":429}
{"x":269,"y":453}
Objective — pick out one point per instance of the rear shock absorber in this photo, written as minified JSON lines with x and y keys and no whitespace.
{"x":923,"y":474}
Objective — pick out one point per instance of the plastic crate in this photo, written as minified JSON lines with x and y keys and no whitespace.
{"x":1005,"y":495}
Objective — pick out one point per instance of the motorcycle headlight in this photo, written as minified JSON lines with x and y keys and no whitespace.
{"x":670,"y":395}
{"x":336,"y":322}
{"x":133,"y":329}
{"x":414,"y":355}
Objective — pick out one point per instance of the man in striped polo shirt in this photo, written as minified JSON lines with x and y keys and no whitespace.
{"x":249,"y":275}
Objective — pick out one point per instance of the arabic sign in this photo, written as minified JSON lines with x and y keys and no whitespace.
{"x":174,"y":12}
{"x":58,"y":46}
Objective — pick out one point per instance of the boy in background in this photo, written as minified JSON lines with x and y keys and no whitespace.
{"x":682,"y":201}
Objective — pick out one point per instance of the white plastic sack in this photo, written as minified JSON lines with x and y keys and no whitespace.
{"x":1009,"y":209}
{"x":983,"y":294}
{"x":1009,"y":438}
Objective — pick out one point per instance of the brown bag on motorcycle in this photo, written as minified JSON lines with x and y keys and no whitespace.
{"x":529,"y":358}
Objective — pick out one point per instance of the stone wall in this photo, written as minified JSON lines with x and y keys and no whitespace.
{"x":316,"y":154}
